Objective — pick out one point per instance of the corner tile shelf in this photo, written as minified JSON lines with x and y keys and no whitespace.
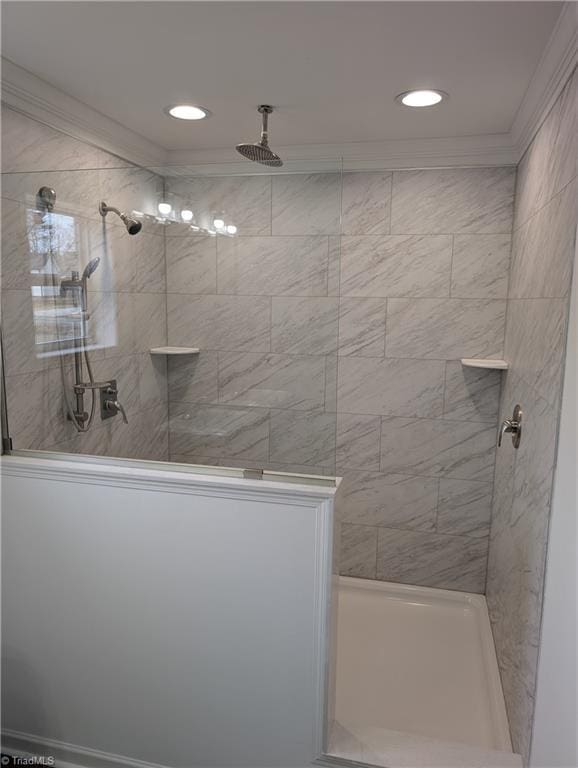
{"x":475,"y":362}
{"x":174,"y":351}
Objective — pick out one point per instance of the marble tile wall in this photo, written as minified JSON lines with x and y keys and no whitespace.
{"x":537,"y":317}
{"x":331,"y":328}
{"x":127,"y":293}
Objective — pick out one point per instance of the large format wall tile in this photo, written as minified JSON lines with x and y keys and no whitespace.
{"x":219,"y":431}
{"x":303,"y":438}
{"x":31,"y":146}
{"x":534,"y":347}
{"x":445,"y":328}
{"x":244,"y":201}
{"x":458,"y":200}
{"x":480,"y":266}
{"x":543,"y":249}
{"x":390,"y":387}
{"x":448,"y":562}
{"x":438,"y":448}
{"x":194,"y":378}
{"x":465,"y":508}
{"x":219,"y":322}
{"x":191,"y":264}
{"x":272,"y":381}
{"x":550,"y":162}
{"x":397,"y":501}
{"x":357,"y":441}
{"x":306,"y":204}
{"x":304,"y":326}
{"x":358,"y":551}
{"x":273,"y":266}
{"x":149,"y":258}
{"x":362,"y":327}
{"x":471,"y":394}
{"x":535,"y":343}
{"x":366,"y":203}
{"x":396,"y":265}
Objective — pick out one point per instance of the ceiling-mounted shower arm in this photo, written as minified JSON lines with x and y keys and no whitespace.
{"x":265,"y":111}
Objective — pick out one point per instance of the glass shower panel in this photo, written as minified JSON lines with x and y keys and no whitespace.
{"x":234,"y":260}
{"x":75,"y":288}
{"x":252,"y":265}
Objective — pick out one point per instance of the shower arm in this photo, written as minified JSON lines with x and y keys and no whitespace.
{"x":265,"y":112}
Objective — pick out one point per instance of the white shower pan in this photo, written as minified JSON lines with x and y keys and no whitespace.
{"x":417,"y":682}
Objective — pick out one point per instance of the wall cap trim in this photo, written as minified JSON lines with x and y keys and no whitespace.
{"x":128,"y":474}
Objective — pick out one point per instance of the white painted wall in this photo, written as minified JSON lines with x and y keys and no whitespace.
{"x":164,"y":617}
{"x":556,"y":718}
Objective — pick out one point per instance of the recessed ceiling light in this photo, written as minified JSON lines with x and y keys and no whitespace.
{"x":187,"y":112}
{"x":424,"y":98}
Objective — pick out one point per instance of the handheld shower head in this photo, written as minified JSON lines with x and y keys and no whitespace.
{"x":260,"y":152}
{"x":133,"y":227}
{"x":90,"y":267}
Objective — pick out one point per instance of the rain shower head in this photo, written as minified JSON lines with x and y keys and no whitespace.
{"x":260,"y":152}
{"x":133,"y":227}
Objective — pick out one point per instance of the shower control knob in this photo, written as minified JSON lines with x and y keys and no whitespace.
{"x":109,"y":403}
{"x":513,"y":427}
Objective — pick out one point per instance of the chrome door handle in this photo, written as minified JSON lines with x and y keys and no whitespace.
{"x":512,"y":426}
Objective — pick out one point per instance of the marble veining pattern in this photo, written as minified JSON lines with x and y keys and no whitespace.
{"x":366,"y":203}
{"x":304,"y":326}
{"x":388,"y":500}
{"x":457,"y":200}
{"x":362,"y":327}
{"x":396,"y":265}
{"x":191,"y":264}
{"x":449,"y":562}
{"x":438,"y":448}
{"x":273,"y":266}
{"x":543,"y":250}
{"x":445,"y":328}
{"x":306,"y":204}
{"x":471,"y":394}
{"x":391,"y":387}
{"x":272,"y":381}
{"x":481,"y":266}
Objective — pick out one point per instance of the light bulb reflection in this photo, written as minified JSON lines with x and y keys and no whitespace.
{"x":165,"y":208}
{"x":186,"y":214}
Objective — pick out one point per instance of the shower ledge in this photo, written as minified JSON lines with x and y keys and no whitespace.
{"x":478,"y":362}
{"x":174,"y":351}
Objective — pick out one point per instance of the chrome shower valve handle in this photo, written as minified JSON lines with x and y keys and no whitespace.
{"x":109,"y":403}
{"x":513,"y":427}
{"x":114,"y":405}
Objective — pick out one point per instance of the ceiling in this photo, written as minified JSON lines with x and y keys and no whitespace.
{"x":332,"y":69}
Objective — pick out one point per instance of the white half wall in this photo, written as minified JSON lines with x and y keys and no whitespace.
{"x":163,"y":616}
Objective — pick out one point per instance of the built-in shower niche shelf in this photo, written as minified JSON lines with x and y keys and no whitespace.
{"x":174,"y":351}
{"x":478,"y":362}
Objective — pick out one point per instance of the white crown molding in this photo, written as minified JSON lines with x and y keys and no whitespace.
{"x":554,"y":68}
{"x":494,"y":149}
{"x":34,"y":97}
{"x":41,"y":101}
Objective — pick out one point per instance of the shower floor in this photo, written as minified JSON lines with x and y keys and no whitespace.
{"x":417,"y":681}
